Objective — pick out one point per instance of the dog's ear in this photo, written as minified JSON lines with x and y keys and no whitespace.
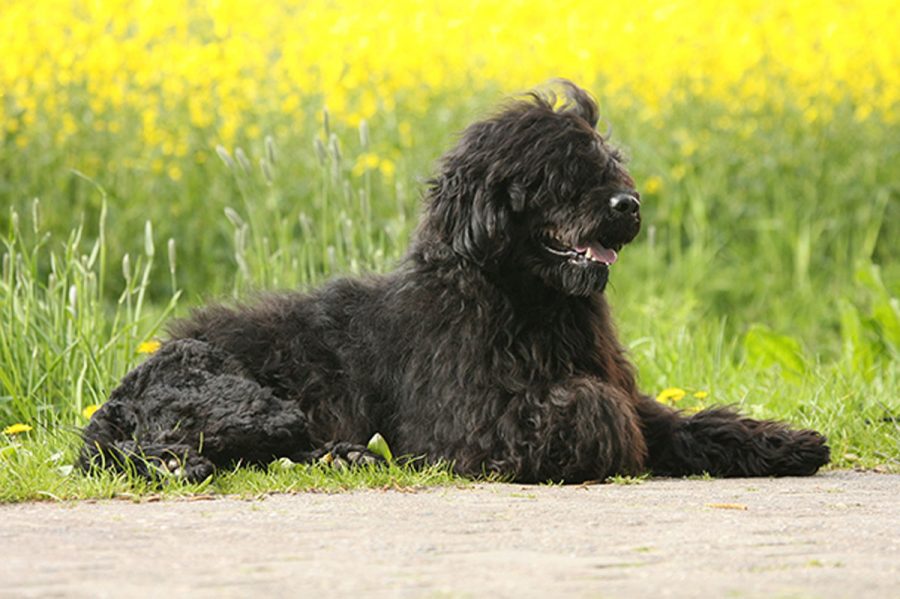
{"x":472,"y":212}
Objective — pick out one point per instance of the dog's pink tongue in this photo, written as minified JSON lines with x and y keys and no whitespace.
{"x":598,"y":253}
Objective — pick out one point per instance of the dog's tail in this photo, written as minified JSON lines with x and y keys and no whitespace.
{"x":722,"y":442}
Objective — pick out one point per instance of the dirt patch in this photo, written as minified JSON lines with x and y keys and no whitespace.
{"x":832,"y":535}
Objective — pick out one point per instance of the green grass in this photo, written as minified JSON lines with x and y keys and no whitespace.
{"x":766,"y":275}
{"x":40,"y":468}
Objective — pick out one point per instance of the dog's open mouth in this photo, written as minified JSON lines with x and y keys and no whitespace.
{"x":582,"y":253}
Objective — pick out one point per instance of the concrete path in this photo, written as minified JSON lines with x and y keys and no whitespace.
{"x":832,"y":535}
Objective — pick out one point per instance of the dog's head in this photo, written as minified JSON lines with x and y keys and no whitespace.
{"x":535,"y":191}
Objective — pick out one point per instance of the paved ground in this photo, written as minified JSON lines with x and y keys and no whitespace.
{"x":832,"y":535}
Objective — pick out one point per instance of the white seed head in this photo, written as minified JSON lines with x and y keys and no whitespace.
{"x":148,"y":239}
{"x":242,"y":159}
{"x":335,"y":145}
{"x":321,"y":153}
{"x":36,"y":215}
{"x":225,"y":156}
{"x":266,"y":170}
{"x":270,"y":150}
{"x":364,"y":133}
{"x":234,"y":217}
{"x":172,"y":255}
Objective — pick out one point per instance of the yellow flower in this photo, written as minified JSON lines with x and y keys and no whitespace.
{"x":387,"y":168}
{"x":148,"y":347}
{"x":88,"y":411}
{"x":365,"y":162}
{"x":679,"y":171}
{"x":652,"y":185}
{"x":671,"y":395}
{"x":174,"y":173}
{"x":15,"y":429}
{"x":701,"y":394}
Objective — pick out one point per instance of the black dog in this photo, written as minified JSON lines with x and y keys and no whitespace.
{"x":490,"y":347}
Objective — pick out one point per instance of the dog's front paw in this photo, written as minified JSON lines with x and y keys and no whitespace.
{"x":190,"y":466}
{"x":343,"y":455}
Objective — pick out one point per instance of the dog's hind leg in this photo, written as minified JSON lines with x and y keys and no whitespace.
{"x":188,"y":408}
{"x":721,"y":442}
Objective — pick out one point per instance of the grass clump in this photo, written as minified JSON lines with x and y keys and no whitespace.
{"x":39,"y":467}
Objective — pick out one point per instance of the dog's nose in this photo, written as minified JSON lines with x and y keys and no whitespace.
{"x":625,"y":203}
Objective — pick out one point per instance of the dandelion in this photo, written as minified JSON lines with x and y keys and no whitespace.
{"x":387,"y":168}
{"x":88,"y":411}
{"x":17,"y":428}
{"x":365,"y":162}
{"x":175,"y":173}
{"x":671,"y":395}
{"x":652,"y":185}
{"x":701,"y":394}
{"x":149,"y":347}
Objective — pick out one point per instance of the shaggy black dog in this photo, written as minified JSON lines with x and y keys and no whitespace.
{"x":491,"y":346}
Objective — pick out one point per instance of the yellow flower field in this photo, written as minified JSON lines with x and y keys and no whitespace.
{"x":78,"y":67}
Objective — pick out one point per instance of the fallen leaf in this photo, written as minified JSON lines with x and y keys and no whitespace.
{"x":727,"y":506}
{"x":379,"y":446}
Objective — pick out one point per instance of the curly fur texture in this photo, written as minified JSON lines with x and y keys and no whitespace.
{"x":491,"y":346}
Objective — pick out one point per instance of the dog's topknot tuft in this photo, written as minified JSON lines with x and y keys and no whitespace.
{"x":561,"y":95}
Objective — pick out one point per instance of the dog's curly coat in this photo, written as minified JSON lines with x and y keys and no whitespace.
{"x":490,"y":347}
